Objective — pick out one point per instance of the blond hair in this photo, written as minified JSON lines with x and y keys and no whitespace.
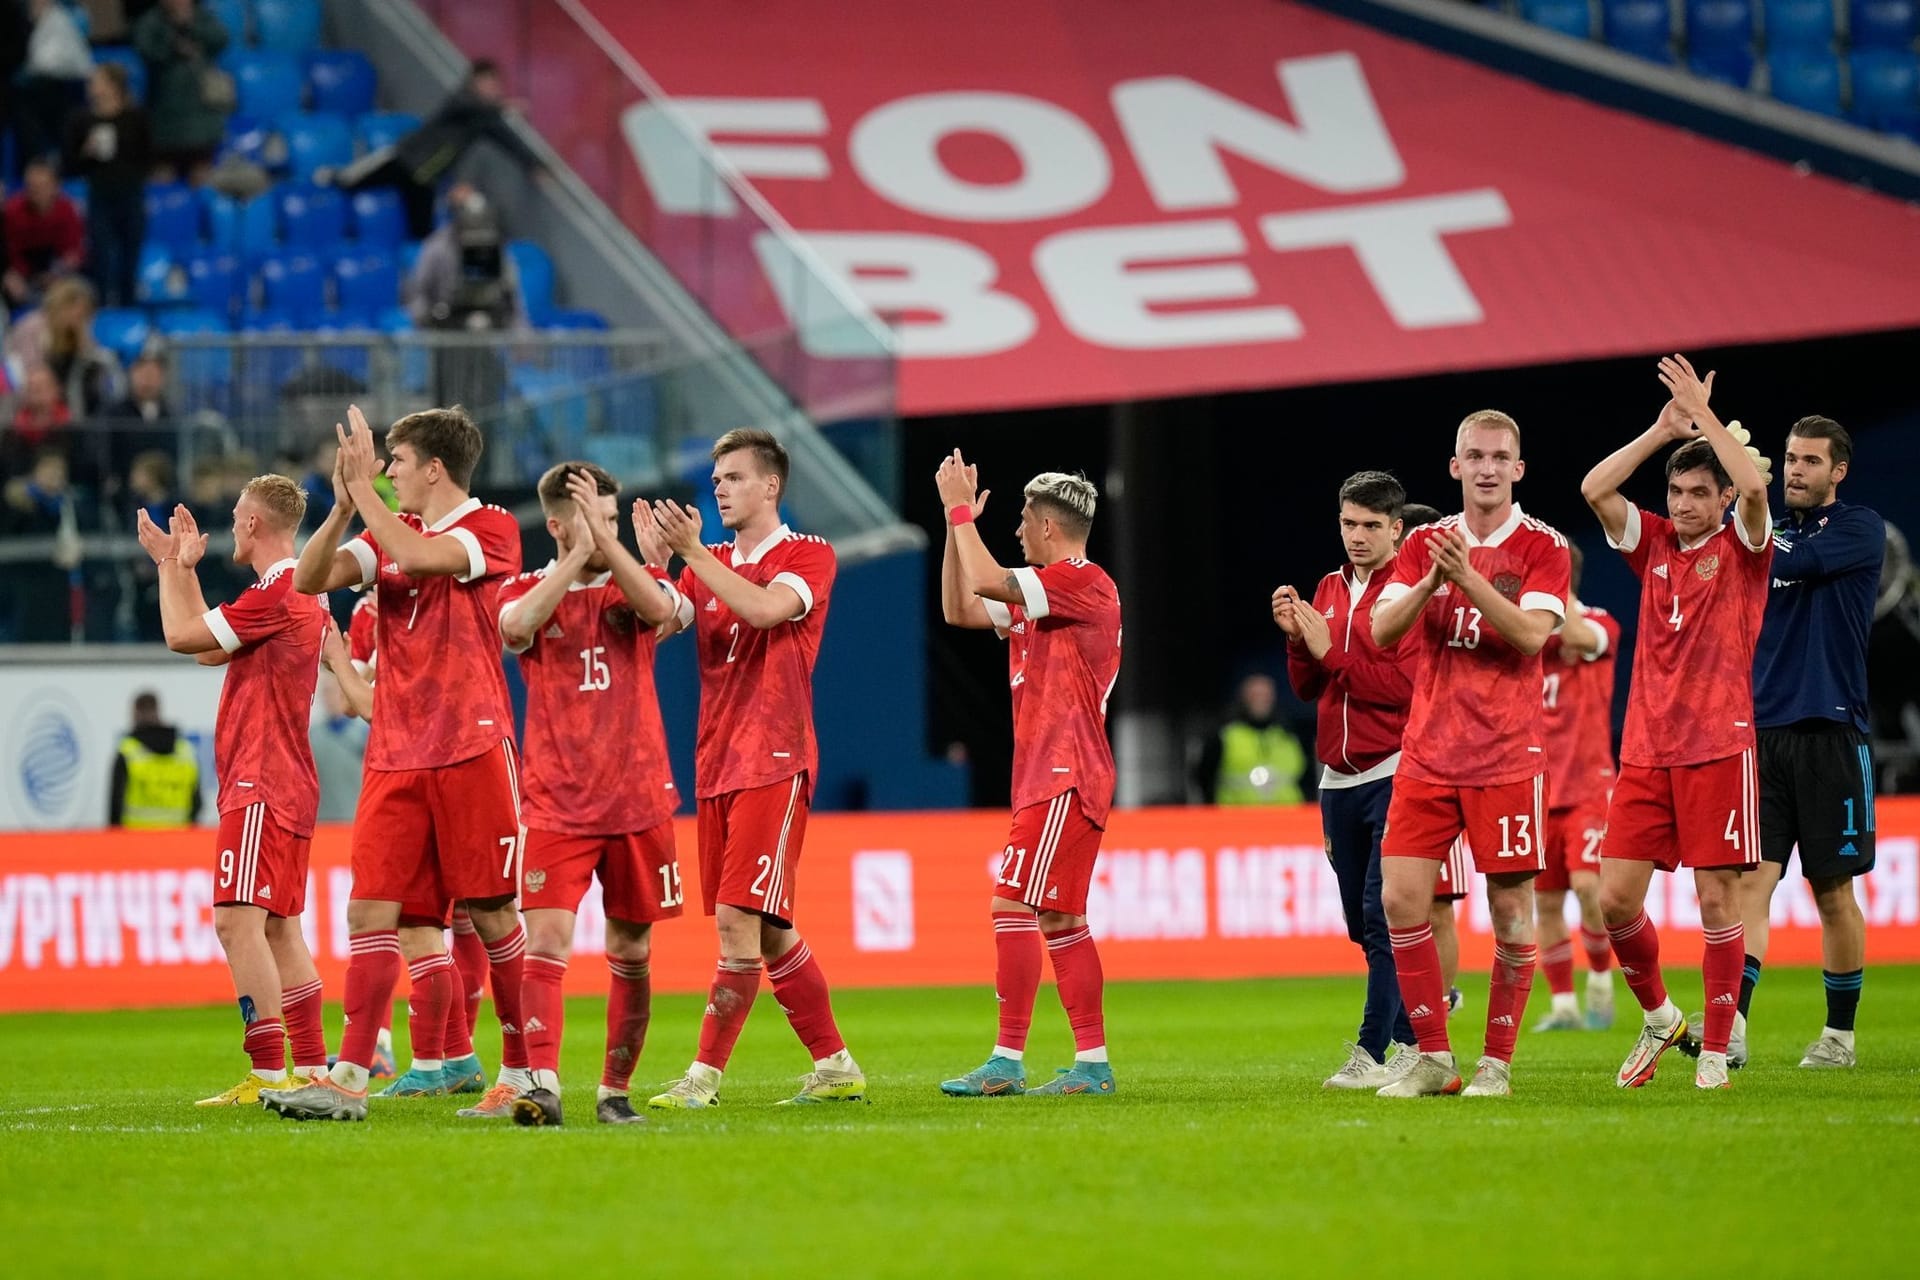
{"x":282,"y":500}
{"x":1068,"y":499}
{"x":1493,"y":420}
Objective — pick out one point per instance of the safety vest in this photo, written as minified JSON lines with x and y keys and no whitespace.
{"x":1259,"y":766}
{"x":159,"y":787}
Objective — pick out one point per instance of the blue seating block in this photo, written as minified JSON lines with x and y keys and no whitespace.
{"x":1714,"y":26}
{"x":173,"y":216}
{"x":315,"y":140}
{"x":535,"y":270}
{"x":1568,"y":17}
{"x":159,"y":278}
{"x":289,"y":25}
{"x":379,"y":129}
{"x":379,"y":219}
{"x":367,"y":282}
{"x":1883,"y":24}
{"x":1799,"y":24}
{"x":1806,"y":78}
{"x":341,"y":81}
{"x":1886,"y":89}
{"x":122,"y":330}
{"x":1643,"y":28}
{"x":233,"y":16}
{"x":314,"y":219}
{"x":295,"y":283}
{"x":269,"y":83}
{"x":214,"y":281}
{"x":1733,"y":66}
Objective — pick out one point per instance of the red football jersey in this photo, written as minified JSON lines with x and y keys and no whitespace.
{"x":360,"y":633}
{"x":756,"y":687}
{"x":1700,"y":610}
{"x":1577,"y":699}
{"x":261,"y":752}
{"x":442,"y":694}
{"x":1475,"y":718}
{"x":596,"y":752}
{"x":1063,"y":656}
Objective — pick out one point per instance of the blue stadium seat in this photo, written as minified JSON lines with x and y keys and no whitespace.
{"x":256,"y":320}
{"x":379,"y":129}
{"x":250,"y":229}
{"x":1568,"y":17}
{"x":1886,"y":89}
{"x":179,"y":320}
{"x":341,"y":81}
{"x":1732,"y":66}
{"x":315,"y":141}
{"x":408,"y":255}
{"x":1714,"y":26}
{"x":1883,"y":24}
{"x":268,"y":82}
{"x":215,"y":281}
{"x":1643,"y":28}
{"x":394,"y":319}
{"x":254,"y":142}
{"x":313,"y":218}
{"x":379,"y":219}
{"x":577,"y":319}
{"x":173,"y":216}
{"x":366,"y":282}
{"x":136,"y":67}
{"x":75,"y":189}
{"x":160,"y":278}
{"x":122,"y":330}
{"x":233,"y":16}
{"x":1806,"y":78}
{"x":203,"y":373}
{"x":289,"y":25}
{"x":1799,"y":24}
{"x":294,"y":283}
{"x":536,"y":278}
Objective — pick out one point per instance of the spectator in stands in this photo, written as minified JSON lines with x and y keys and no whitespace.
{"x":417,"y":164}
{"x":60,"y":333}
{"x":189,"y":96}
{"x":1253,"y":759}
{"x":45,"y":236}
{"x":53,"y":79}
{"x":37,"y":593}
{"x":156,"y":773}
{"x":41,"y":420}
{"x":141,"y":420}
{"x":109,"y":144}
{"x":150,"y":485}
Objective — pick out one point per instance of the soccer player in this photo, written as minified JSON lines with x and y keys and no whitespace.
{"x":1362,"y":697}
{"x":1061,"y":614}
{"x":758,"y":606}
{"x":1577,"y":697}
{"x":1687,"y":790}
{"x":599,"y":793}
{"x":1810,"y":709}
{"x":269,"y":640}
{"x":1477,"y":595}
{"x":438,"y":818}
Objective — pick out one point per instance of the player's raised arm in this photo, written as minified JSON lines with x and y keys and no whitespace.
{"x":521,"y":619}
{"x":981,"y":576}
{"x":959,"y":606}
{"x":761,"y":607}
{"x":418,"y":555}
{"x":324,"y":564}
{"x":651,"y":599}
{"x":1739,"y":462}
{"x":182,"y":606}
{"x":354,"y":687}
{"x":1601,"y":488}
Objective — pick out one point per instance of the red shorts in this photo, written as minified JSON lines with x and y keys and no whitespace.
{"x":260,"y":864}
{"x":1050,"y":854}
{"x":1573,"y":844}
{"x":1693,"y":815}
{"x":1456,"y":870}
{"x":427,"y":838}
{"x":639,"y":873}
{"x":750,"y":848}
{"x":1505,"y":826}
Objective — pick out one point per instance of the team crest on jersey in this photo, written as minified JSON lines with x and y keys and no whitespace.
{"x":536,"y":881}
{"x":1507,"y":584}
{"x":1706,"y":567}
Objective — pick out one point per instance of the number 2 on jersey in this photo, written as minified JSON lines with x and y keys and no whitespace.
{"x":733,"y":640}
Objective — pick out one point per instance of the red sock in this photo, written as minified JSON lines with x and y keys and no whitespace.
{"x":427,"y":1009}
{"x":1507,"y":995}
{"x":1599,"y":949}
{"x":266,"y":1043}
{"x":470,"y":958}
{"x":300,"y":1007}
{"x":1416,"y":959}
{"x":1720,"y":973}
{"x":544,"y":1008}
{"x":507,"y":959}
{"x":373,"y":969}
{"x":629,"y":1009}
{"x":1638,"y":947}
{"x":1557,"y":963}
{"x":1016,"y":976}
{"x":735,"y":984}
{"x":1082,"y":983}
{"x":801,"y":989}
{"x":460,"y":1006}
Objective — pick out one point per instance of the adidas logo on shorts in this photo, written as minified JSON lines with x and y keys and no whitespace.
{"x":266,"y":893}
{"x":1053,"y":894}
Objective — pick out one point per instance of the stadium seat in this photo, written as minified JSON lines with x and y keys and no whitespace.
{"x":268,"y":320}
{"x":233,"y":16}
{"x":341,"y":81}
{"x":1886,"y":89}
{"x":316,"y":141}
{"x":1732,"y":66}
{"x":395,"y":319}
{"x":366,"y":282}
{"x":294,"y":283}
{"x":256,"y":143}
{"x":379,"y":129}
{"x":124,"y":56}
{"x":577,"y":319}
{"x":1806,"y":78}
{"x":174,"y":321}
{"x":160,"y":278}
{"x":1568,"y":17}
{"x":1799,"y":24}
{"x":379,"y":220}
{"x":1714,"y":26}
{"x":214,"y":281}
{"x":122,"y":330}
{"x":268,"y":82}
{"x":173,"y":216}
{"x":535,"y":269}
{"x":408,"y":255}
{"x":292,"y":26}
{"x":250,"y":229}
{"x":1643,"y":28}
{"x":312,"y":218}
{"x":1882,"y":24}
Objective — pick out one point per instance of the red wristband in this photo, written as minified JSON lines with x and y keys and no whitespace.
{"x":962,"y":514}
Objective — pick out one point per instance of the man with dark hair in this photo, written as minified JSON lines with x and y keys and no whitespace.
{"x":1810,"y":708}
{"x":156,"y":775}
{"x":1363,"y":693}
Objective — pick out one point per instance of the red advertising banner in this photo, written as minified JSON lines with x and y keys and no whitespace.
{"x":100,"y":920}
{"x":1064,"y":201}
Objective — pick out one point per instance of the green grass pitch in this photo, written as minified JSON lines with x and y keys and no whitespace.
{"x":1220,"y":1156}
